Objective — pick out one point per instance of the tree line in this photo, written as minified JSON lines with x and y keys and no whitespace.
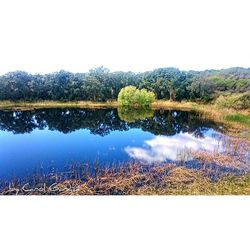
{"x":100,"y":84}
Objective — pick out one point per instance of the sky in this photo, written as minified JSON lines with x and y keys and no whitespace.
{"x":130,"y":35}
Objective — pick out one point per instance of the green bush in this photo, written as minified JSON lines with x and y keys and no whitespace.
{"x":240,"y":101}
{"x":131,"y":96}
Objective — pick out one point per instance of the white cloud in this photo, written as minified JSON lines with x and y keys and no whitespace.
{"x":162,"y":148}
{"x":75,"y":35}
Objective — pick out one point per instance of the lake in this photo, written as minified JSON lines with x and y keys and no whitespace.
{"x":52,"y":139}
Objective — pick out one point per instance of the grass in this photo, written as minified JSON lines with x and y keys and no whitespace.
{"x":55,"y":104}
{"x":179,"y":105}
{"x":52,"y":104}
{"x":137,"y":180}
{"x":239,"y":118}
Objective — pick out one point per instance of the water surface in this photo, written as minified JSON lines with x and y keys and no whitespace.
{"x":51,"y":139}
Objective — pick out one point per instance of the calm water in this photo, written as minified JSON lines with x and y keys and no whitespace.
{"x":54,"y":138}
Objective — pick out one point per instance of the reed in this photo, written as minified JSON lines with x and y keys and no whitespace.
{"x":137,"y":180}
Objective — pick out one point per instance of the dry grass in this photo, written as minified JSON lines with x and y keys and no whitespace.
{"x":175,"y":105}
{"x":54,"y":104}
{"x":136,"y":180}
{"x":235,"y":154}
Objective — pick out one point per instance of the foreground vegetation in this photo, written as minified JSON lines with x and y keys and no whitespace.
{"x":136,"y":180}
{"x":210,"y":173}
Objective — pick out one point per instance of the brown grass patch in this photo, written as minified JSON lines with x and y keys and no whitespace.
{"x":137,"y":180}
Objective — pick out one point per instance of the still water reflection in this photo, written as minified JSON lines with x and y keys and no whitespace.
{"x":54,"y":138}
{"x":162,"y":148}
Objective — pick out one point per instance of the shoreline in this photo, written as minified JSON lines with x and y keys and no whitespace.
{"x":82,"y":104}
{"x":55,"y":104}
{"x":239,"y":118}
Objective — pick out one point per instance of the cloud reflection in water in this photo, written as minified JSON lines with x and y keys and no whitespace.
{"x":162,"y":148}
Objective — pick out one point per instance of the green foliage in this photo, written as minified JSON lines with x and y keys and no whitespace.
{"x":240,"y":101}
{"x":166,"y":83}
{"x":239,"y":118}
{"x":131,"y":96}
{"x":100,"y":84}
{"x":131,"y":115}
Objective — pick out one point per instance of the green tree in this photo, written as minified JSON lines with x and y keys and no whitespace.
{"x":131,"y":96}
{"x":100,"y":84}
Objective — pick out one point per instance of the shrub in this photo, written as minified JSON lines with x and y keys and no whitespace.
{"x":131,"y":96}
{"x":240,"y":101}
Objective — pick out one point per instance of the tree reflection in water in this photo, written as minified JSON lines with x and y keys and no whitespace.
{"x":130,"y":115}
{"x":104,"y":121}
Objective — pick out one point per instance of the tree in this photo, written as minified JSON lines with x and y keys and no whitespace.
{"x":131,"y":96}
{"x":100,"y":84}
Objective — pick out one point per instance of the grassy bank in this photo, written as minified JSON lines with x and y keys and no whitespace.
{"x":239,"y":118}
{"x":236,"y":120}
{"x":54,"y":104}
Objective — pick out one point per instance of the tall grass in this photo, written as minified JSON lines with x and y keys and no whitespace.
{"x":137,"y":180}
{"x":239,"y":118}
